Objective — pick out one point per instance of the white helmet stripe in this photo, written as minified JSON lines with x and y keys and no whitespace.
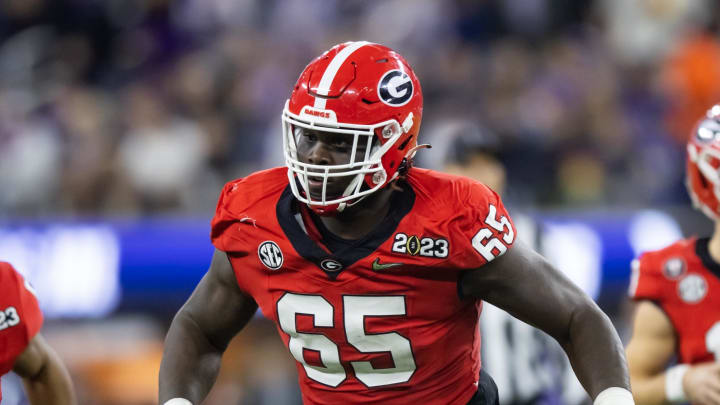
{"x":332,"y":69}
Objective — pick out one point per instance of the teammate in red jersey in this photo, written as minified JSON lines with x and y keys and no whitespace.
{"x":678,"y":294}
{"x":22,"y":348}
{"x":373,"y":270}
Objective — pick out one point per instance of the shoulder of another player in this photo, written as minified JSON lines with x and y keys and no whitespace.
{"x":6,"y":270}
{"x":655,"y":273}
{"x":666,"y":261}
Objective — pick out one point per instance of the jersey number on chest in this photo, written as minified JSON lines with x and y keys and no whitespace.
{"x":355,"y":310}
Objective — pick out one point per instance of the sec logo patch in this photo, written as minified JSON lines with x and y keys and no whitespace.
{"x":270,"y":255}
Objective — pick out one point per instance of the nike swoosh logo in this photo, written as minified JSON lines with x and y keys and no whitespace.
{"x":377,"y":266}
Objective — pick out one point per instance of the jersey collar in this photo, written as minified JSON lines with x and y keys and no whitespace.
{"x":703,"y":251}
{"x":287,"y":207}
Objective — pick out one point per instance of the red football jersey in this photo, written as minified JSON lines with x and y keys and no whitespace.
{"x":685,"y":282}
{"x":379,"y":321}
{"x":20,"y":316}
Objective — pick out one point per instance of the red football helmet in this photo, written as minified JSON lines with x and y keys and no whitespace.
{"x":366,"y":91}
{"x":703,"y":164}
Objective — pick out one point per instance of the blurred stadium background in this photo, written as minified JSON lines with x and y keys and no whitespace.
{"x":121,"y":119}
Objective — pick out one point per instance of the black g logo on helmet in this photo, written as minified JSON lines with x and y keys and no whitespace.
{"x":395,"y":88}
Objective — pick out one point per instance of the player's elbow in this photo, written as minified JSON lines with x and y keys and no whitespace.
{"x":586,"y":317}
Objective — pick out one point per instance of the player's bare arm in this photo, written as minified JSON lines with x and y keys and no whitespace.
{"x":46,"y":380}
{"x":200,"y":332}
{"x":650,"y":350}
{"x":525,"y":285}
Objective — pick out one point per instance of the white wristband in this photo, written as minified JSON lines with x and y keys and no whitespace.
{"x":674,"y":391}
{"x":178,"y":401}
{"x":614,"y":396}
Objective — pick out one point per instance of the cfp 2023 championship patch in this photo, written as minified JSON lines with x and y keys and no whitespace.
{"x":425,"y":246}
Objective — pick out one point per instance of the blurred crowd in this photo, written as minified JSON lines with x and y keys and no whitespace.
{"x":144,"y":106}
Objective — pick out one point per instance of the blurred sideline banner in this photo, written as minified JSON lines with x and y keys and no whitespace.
{"x":93,"y":268}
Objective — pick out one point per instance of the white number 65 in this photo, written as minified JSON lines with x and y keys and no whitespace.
{"x":483,"y":241}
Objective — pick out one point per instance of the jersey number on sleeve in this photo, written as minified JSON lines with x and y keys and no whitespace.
{"x":355,"y":310}
{"x":485,"y":243}
{"x":8,"y":318}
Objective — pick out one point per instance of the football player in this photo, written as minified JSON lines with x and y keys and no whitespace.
{"x":372,"y":269}
{"x":22,"y":348}
{"x":677,"y":289}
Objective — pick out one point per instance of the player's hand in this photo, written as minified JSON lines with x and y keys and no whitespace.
{"x":702,"y":384}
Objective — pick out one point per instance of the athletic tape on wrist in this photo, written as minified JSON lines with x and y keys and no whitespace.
{"x":674,"y":391}
{"x":178,"y":401}
{"x":614,"y":396}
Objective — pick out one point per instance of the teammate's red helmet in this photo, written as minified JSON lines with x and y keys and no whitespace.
{"x":703,"y":164}
{"x":364,"y":90}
